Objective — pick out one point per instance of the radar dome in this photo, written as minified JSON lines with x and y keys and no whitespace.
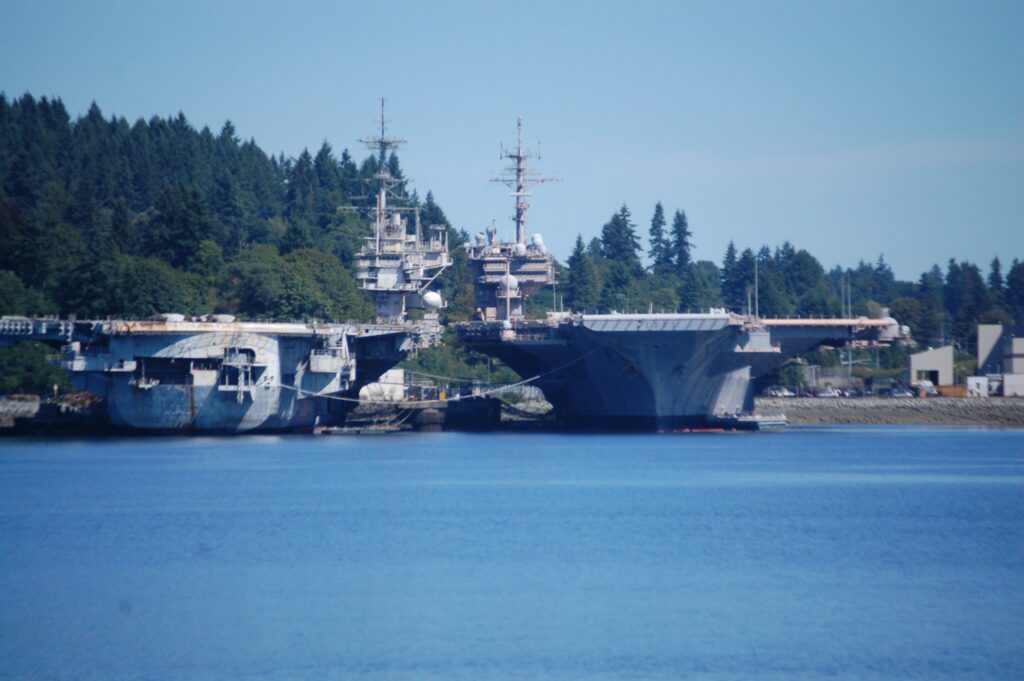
{"x":508,"y":283}
{"x":520,"y":249}
{"x":537,"y":240}
{"x":432,"y":300}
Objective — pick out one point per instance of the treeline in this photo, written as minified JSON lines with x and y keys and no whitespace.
{"x":102,"y":217}
{"x":608,"y":274}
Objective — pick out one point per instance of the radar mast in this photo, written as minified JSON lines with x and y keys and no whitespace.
{"x":518,"y":178}
{"x":507,"y":273}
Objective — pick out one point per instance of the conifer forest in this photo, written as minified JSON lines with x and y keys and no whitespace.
{"x":103,"y":217}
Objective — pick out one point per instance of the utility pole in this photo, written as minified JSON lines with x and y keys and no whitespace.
{"x":757,"y":307}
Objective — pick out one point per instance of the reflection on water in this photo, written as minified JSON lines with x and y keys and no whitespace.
{"x":842,"y":552}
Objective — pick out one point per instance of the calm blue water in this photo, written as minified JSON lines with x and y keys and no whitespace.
{"x":846,"y":553}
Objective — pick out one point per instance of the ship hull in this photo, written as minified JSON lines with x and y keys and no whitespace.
{"x":649,"y":372}
{"x":219,"y":377}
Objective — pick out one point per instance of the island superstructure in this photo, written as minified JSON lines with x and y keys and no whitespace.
{"x":399,"y":261}
{"x":636,"y":371}
{"x":506,"y":273}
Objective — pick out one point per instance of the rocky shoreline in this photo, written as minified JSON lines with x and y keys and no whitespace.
{"x":953,"y":411}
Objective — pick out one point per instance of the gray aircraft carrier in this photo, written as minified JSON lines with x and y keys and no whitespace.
{"x":660,"y":371}
{"x":634,"y":371}
{"x":217,"y":374}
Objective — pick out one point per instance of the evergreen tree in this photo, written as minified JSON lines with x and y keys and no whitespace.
{"x":680,"y":245}
{"x":122,"y":228}
{"x":661,"y":259}
{"x":884,"y":283}
{"x":620,"y":243}
{"x":995,"y":279}
{"x":801,"y":271}
{"x":616,"y":289}
{"x":181,"y":223}
{"x":703,"y":287}
{"x":732,"y":294}
{"x":929,"y":331}
{"x":1015,"y":290}
{"x":580,"y":288}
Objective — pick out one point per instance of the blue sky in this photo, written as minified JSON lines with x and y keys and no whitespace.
{"x":848,"y":129}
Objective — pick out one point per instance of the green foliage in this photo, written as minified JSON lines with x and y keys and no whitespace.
{"x":619,"y":242}
{"x":1015,"y":290}
{"x":454,"y":360}
{"x":23,"y":369}
{"x":966,"y":298}
{"x":702,"y":289}
{"x":908,"y":311}
{"x":791,"y":376}
{"x":581,"y":285}
{"x":101,"y":217}
{"x":303,"y":284}
{"x":928,"y":293}
{"x":660,"y":248}
{"x":732,"y":290}
{"x":18,"y":299}
{"x":616,"y":289}
{"x":680,"y":245}
{"x":143,"y":287}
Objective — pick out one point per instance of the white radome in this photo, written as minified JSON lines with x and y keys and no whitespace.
{"x":432,"y":300}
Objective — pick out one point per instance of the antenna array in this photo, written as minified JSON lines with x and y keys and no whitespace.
{"x":518,"y":178}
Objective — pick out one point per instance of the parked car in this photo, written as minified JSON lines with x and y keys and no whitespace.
{"x":828,"y":392}
{"x":779,"y":391}
{"x":895,"y":392}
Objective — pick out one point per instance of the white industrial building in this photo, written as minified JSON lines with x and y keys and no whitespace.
{"x":934,"y":365}
{"x":1001,"y":358}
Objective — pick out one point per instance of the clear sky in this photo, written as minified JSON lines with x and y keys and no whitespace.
{"x":848,"y":129}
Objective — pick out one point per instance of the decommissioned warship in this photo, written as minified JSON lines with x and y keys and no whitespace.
{"x":215,"y":373}
{"x":633,"y":371}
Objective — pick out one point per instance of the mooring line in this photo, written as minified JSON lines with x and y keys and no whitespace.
{"x":457,"y":398}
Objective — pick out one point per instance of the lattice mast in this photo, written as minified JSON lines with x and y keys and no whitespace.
{"x":518,"y":178}
{"x":382,"y":145}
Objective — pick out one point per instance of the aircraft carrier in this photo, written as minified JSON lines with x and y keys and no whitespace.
{"x":218,"y":374}
{"x":660,"y":371}
{"x":215,"y":373}
{"x":634,"y":371}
